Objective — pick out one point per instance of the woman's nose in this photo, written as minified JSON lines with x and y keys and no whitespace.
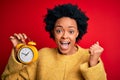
{"x":65,"y":35}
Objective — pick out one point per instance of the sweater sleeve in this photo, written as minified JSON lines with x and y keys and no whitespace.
{"x":15,"y":70}
{"x":93,"y":73}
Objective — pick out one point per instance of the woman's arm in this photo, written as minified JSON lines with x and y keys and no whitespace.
{"x":17,"y":71}
{"x":96,"y":72}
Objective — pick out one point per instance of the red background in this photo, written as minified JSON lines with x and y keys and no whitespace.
{"x":26,"y":16}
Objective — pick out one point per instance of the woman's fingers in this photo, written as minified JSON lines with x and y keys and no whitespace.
{"x":95,"y":52}
{"x":96,"y":49}
{"x":24,"y":35}
{"x":18,"y":38}
{"x":22,"y":39}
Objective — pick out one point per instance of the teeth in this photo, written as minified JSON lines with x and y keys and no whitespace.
{"x":64,"y":45}
{"x":64,"y":42}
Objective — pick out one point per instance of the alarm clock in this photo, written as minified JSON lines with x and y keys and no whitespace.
{"x":27,"y":53}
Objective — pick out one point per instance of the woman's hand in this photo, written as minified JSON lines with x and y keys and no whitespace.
{"x":95,"y":52}
{"x":18,"y":38}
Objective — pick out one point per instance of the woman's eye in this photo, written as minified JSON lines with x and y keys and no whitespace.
{"x":71,"y":31}
{"x":58,"y":31}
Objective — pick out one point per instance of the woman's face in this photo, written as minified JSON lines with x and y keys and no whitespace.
{"x":65,"y":33}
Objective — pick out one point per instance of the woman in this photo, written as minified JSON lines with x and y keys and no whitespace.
{"x":66,"y":24}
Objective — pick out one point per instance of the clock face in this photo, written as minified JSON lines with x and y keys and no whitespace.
{"x":26,"y":54}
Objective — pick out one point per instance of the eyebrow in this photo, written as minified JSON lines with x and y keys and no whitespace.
{"x":58,"y":26}
{"x":62,"y":27}
{"x":71,"y":27}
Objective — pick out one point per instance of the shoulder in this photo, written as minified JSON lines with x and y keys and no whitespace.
{"x":83,"y":53}
{"x":47,"y":51}
{"x":83,"y":50}
{"x":46,"y":54}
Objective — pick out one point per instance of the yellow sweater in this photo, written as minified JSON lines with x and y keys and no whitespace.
{"x":54,"y":66}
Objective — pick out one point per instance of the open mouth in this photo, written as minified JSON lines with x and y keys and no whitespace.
{"x":64,"y":45}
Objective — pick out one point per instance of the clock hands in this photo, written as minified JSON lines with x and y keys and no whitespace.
{"x":25,"y":54}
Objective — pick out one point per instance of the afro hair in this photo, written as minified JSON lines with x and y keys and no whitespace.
{"x":66,"y":10}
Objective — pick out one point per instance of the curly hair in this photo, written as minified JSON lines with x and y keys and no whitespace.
{"x":66,"y":10}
